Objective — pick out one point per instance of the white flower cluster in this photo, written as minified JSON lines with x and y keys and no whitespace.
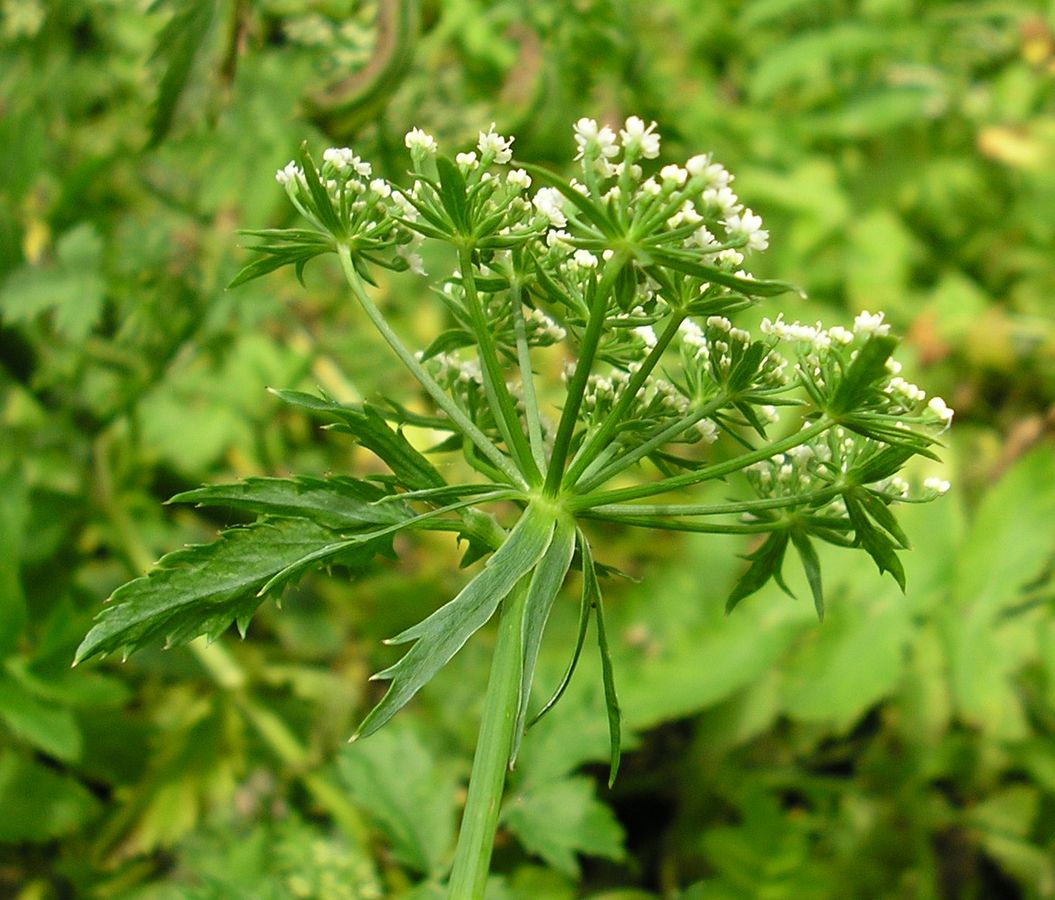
{"x":710,"y":355}
{"x":683,"y":205}
{"x":541,"y":329}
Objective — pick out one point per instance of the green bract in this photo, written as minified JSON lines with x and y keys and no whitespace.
{"x":636,"y":270}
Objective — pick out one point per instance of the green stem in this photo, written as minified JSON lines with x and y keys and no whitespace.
{"x":715,"y":509}
{"x":717,"y":470}
{"x":577,"y":386}
{"x":668,"y":434}
{"x":472,"y":859}
{"x":664,"y":524}
{"x":481,"y":440}
{"x":527,"y":380}
{"x":494,"y":381}
{"x":615,"y":416}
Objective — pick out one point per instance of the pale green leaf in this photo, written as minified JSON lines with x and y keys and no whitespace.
{"x":560,"y":819}
{"x":444,"y":633}
{"x":546,"y":582}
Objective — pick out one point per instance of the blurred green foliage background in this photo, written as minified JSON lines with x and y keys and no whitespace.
{"x":903,"y":154}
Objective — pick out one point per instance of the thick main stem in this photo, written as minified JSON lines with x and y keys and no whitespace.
{"x":472,"y":859}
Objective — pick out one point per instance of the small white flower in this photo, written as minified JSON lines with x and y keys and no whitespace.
{"x":518,"y":178}
{"x":407,"y":208}
{"x":652,"y":188}
{"x":938,"y":485}
{"x":495,"y":144}
{"x":730,"y":257}
{"x":637,"y":137}
{"x":420,"y":141}
{"x":344,"y":159}
{"x":550,"y":203}
{"x":290,"y":173}
{"x":381,"y":187}
{"x":722,"y":199}
{"x":939,"y":408}
{"x":584,"y":259}
{"x":588,"y":135}
{"x":841,"y":335}
{"x":674,"y":175}
{"x":712,"y":174}
{"x":414,"y":260}
{"x":749,"y":225}
{"x":647,"y":335}
{"x":869,"y":323}
{"x":466,"y":160}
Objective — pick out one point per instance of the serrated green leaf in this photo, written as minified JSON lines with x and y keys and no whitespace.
{"x":371,"y":430}
{"x":178,"y":44}
{"x":546,"y":582}
{"x":811,"y":564}
{"x":765,"y":564}
{"x":396,"y":780}
{"x":443,"y":634}
{"x":72,"y":288}
{"x":560,"y":819}
{"x":203,"y":588}
{"x":338,"y":502}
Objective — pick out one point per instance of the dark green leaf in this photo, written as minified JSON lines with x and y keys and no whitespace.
{"x":580,"y":638}
{"x":337,"y":502}
{"x":443,"y":634}
{"x":766,"y":562}
{"x":863,"y":374}
{"x":880,"y":513}
{"x":690,"y":264}
{"x":452,"y":193}
{"x":39,"y":803}
{"x":611,"y":700}
{"x":371,"y":430}
{"x":875,"y":543}
{"x":178,"y":43}
{"x":811,"y":564}
{"x":203,"y":588}
{"x":42,"y":724}
{"x":320,"y":197}
{"x":446,"y":341}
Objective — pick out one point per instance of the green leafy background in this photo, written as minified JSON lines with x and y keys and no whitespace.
{"x":903,"y":154}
